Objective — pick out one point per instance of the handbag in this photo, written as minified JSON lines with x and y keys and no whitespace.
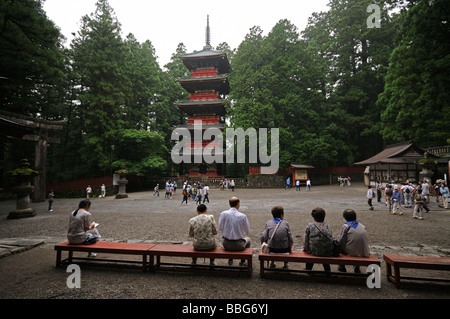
{"x":264,"y":245}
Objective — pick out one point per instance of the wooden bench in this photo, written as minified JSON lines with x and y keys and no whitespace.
{"x":105,"y":248}
{"x":302,"y":257}
{"x":163,"y":250}
{"x":415,"y":262}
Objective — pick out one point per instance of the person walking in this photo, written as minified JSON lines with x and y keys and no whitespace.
{"x":369,"y":196}
{"x":51,"y":196}
{"x":206,"y":193}
{"x":445,"y":195}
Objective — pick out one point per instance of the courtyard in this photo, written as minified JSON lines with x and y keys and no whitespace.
{"x":142,"y":217}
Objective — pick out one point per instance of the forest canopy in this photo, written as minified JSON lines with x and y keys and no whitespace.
{"x":338,"y":91}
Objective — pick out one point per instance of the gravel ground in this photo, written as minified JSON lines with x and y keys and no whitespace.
{"x":141,"y":217}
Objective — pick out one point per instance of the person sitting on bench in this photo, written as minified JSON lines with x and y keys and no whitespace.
{"x":281,"y":241}
{"x":353,"y":239}
{"x":318,"y":238}
{"x":82,"y":230}
{"x":234,"y":225}
{"x":203,"y":228}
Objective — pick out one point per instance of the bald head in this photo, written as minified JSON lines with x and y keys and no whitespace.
{"x":234,"y":202}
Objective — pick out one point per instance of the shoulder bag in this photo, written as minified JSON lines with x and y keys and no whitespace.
{"x":264,"y":245}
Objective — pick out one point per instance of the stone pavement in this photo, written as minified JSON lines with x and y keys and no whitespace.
{"x":145,"y":218}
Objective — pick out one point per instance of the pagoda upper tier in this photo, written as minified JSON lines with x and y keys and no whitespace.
{"x":206,"y":59}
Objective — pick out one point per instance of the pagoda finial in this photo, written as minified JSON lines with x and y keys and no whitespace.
{"x":208,"y":35}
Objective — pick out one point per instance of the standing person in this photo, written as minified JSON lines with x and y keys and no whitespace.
{"x":419,"y":201}
{"x":297,"y":185}
{"x":388,"y":195}
{"x":203,"y":229}
{"x":308,"y":185}
{"x":51,"y":196}
{"x":206,"y":193}
{"x":396,"y":200}
{"x":378,"y":188}
{"x":234,"y":226}
{"x":445,"y":195}
{"x":199,"y":197}
{"x":288,"y":183}
{"x":232,"y":184}
{"x":369,"y":196}
{"x":156,"y":189}
{"x":277,"y":235}
{"x":407,"y":191}
{"x":353,"y":239}
{"x":426,"y":190}
{"x":318,"y":238}
{"x":103,"y":190}
{"x":82,"y":230}
{"x":185,"y":195}
{"x":88,"y":192}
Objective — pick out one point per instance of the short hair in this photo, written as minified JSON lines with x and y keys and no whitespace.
{"x":277,"y":211}
{"x":318,"y":214}
{"x":349,"y":215}
{"x":201,"y":208}
{"x":234,"y":201}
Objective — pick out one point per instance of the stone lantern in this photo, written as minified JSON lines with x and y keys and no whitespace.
{"x":23,"y":176}
{"x":427,"y":164}
{"x":122,"y":182}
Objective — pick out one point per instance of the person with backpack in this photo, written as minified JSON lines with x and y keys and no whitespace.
{"x":407,"y":190}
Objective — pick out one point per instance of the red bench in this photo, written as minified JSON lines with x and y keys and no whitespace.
{"x":105,"y":248}
{"x":415,"y":262}
{"x":302,"y":257}
{"x":187,"y":251}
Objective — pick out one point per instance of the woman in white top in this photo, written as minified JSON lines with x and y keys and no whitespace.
{"x":82,"y":230}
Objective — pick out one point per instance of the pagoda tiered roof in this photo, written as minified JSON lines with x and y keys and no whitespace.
{"x":204,"y":107}
{"x":207,"y":58}
{"x":218,"y":83}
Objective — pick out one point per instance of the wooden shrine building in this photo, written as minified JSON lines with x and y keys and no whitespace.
{"x":397,"y":162}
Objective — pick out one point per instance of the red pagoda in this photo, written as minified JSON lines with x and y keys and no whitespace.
{"x":208,"y":87}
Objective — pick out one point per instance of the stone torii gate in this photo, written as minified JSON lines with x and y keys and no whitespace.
{"x":17,"y":126}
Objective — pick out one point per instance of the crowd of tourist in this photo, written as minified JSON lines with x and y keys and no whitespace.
{"x":406,"y":195}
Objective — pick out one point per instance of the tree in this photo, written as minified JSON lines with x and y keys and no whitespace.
{"x":31,"y":60}
{"x":415,"y":97}
{"x":354,"y":60}
{"x":98,"y":54}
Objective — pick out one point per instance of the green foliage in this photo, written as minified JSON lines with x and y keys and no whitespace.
{"x":337,"y":90}
{"x":415,"y":97}
{"x":32,"y":60}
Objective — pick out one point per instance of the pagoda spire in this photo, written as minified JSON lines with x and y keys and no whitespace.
{"x":208,"y":35}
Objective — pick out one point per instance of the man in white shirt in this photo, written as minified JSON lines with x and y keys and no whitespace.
{"x":234,"y":225}
{"x":206,"y":193}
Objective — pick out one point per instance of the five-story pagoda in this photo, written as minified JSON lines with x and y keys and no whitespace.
{"x":208,"y":87}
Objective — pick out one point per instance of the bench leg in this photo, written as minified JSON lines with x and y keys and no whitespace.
{"x":250,"y":267}
{"x":397,"y":276}
{"x":261,"y":268}
{"x":58,"y":258}
{"x":144,"y":262}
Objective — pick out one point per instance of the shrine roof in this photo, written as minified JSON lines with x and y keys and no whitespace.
{"x":401,"y":153}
